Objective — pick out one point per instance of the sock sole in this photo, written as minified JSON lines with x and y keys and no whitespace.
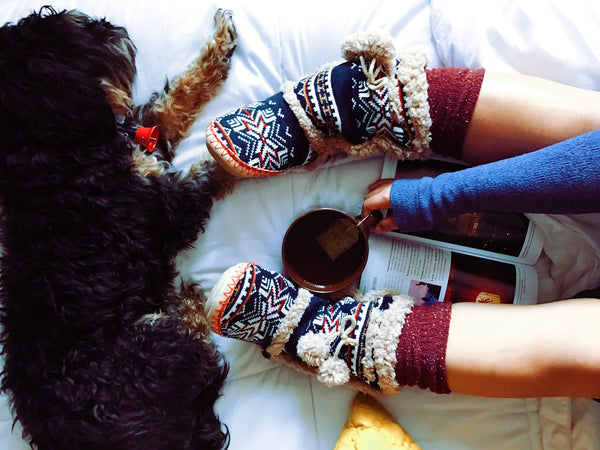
{"x":220,"y":295}
{"x":226,"y":157}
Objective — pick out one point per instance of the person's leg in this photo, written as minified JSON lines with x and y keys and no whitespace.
{"x":475,"y":115}
{"x":346,"y":342}
{"x":544,"y":350}
{"x":489,"y":350}
{"x":472,"y":117}
{"x":515,"y":114}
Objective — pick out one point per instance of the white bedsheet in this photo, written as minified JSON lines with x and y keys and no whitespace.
{"x":264,"y":404}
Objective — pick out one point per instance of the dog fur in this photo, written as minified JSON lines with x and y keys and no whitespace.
{"x":97,"y":350}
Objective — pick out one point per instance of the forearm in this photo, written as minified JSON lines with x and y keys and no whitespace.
{"x":563,"y":178}
{"x":525,"y":351}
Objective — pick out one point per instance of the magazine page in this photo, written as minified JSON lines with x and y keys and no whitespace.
{"x":495,"y":235}
{"x":431,"y":274}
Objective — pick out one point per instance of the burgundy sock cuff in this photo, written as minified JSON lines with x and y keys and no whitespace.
{"x":453,"y":93}
{"x":421,"y":353}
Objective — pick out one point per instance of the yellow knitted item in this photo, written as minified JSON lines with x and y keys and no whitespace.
{"x":371,"y":427}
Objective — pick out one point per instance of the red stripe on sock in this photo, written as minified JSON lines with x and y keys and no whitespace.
{"x":247,"y":295}
{"x":403,"y":112}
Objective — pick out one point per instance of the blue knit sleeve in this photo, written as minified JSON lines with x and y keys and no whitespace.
{"x":563,"y":178}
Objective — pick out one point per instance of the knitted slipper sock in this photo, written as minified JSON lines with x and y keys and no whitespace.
{"x":365,"y":106}
{"x":560,"y":179}
{"x":371,"y":103}
{"x":259,"y":140}
{"x":358,"y":112}
{"x":350,"y":341}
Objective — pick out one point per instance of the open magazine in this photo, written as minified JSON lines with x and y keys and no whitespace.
{"x":482,"y":256}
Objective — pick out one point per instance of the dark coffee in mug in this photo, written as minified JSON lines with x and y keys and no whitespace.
{"x":305,"y":261}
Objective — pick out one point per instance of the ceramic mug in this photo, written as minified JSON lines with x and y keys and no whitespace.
{"x":306,"y":262}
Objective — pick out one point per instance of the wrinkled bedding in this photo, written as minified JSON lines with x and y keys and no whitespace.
{"x":265,"y":404}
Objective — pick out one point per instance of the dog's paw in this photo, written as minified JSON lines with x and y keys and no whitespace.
{"x":225,"y":28}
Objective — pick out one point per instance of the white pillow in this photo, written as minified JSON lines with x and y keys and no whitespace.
{"x":546,"y":38}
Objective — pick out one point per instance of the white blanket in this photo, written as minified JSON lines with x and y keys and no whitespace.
{"x":267,"y":406}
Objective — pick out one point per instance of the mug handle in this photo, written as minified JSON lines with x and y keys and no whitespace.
{"x":370,"y":220}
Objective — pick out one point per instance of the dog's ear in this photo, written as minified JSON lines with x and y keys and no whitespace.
{"x":55,"y":69}
{"x":44,"y":95}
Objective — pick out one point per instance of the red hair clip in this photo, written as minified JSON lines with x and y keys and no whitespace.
{"x":147,"y":137}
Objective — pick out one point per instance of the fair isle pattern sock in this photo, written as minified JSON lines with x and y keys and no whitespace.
{"x":339,"y":100}
{"x":558,"y":179}
{"x":370,"y":104}
{"x":256,"y":305}
{"x":349,"y":341}
{"x":333,"y":339}
{"x":262,"y":139}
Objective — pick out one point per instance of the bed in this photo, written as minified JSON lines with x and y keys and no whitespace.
{"x":269,"y":406}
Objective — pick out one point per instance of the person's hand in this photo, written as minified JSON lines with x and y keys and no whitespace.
{"x":379,"y":198}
